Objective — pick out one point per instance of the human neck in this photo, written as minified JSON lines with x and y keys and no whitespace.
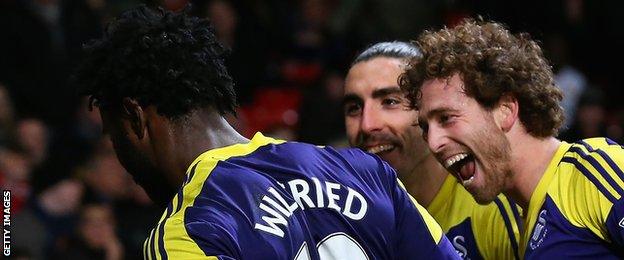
{"x":530,"y":157}
{"x":425,"y":180}
{"x":200,"y":132}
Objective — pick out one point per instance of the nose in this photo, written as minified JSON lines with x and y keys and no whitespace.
{"x":436,"y":138}
{"x":371,"y":120}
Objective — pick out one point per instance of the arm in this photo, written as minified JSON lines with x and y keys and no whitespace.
{"x":615,"y":224}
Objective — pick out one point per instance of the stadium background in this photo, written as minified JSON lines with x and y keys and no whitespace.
{"x":72,"y":200}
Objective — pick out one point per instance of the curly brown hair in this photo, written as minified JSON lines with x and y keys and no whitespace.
{"x":492,"y":62}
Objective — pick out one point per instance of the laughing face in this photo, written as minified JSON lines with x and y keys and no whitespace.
{"x":465,"y":138}
{"x":377,"y":117}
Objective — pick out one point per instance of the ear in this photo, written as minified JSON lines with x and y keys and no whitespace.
{"x":506,"y":112}
{"x":135,"y":114}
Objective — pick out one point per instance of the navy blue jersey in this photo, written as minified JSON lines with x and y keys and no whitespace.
{"x":270,"y":199}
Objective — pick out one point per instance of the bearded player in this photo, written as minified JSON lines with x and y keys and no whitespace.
{"x":489,"y":110}
{"x":378,"y":119}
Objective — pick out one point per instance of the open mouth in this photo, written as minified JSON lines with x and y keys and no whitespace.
{"x":463,"y":166}
{"x":378,"y":149}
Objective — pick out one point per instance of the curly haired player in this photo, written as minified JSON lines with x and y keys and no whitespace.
{"x":489,"y":110}
{"x":378,"y":120}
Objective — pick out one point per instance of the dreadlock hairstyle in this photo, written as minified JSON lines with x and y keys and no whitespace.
{"x":169,"y":60}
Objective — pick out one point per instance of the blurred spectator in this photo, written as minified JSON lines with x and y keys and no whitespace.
{"x":49,"y":219}
{"x":30,"y":235}
{"x":571,"y":81}
{"x":249,"y":41}
{"x":311,"y":38}
{"x":321,"y":121}
{"x":32,"y":134}
{"x":363,"y":22}
{"x":15,"y":170}
{"x":615,"y":130}
{"x":45,"y":41}
{"x":274,"y":109}
{"x":108,"y":182}
{"x":21,"y":254}
{"x":95,"y":237}
{"x":70,"y":146}
{"x":62,"y":199}
{"x":105,"y":176}
{"x":7,"y":115}
{"x":225,"y":19}
{"x":590,"y":120}
{"x":136,"y":216}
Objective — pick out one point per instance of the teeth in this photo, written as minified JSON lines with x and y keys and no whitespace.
{"x":450,"y":161}
{"x":468,"y":181}
{"x":380,"y":148}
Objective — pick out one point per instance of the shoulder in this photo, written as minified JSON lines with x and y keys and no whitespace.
{"x":352,"y":156}
{"x":337,"y":161}
{"x":589,"y":181}
{"x":592,"y":167}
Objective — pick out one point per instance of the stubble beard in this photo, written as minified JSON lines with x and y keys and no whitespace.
{"x":495,"y":158}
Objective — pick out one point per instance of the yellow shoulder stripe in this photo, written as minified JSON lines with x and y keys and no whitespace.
{"x":177,"y":242}
{"x":434,"y":228}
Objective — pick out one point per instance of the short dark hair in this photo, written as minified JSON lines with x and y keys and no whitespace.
{"x":492,"y":62}
{"x":170,"y":60}
{"x":395,"y":49}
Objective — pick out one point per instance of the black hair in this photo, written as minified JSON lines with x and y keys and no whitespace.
{"x":170,"y":60}
{"x":395,"y":49}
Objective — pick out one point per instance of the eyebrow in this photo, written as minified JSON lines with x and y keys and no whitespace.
{"x":435,"y":112}
{"x":378,"y":93}
{"x":351,"y":98}
{"x":385,"y":91}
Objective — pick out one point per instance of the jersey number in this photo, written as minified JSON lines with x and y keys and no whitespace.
{"x":335,"y":246}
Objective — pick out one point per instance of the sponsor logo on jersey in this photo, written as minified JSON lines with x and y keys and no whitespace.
{"x":540,"y":231}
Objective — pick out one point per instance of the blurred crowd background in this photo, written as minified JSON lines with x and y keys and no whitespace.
{"x":71,"y":199}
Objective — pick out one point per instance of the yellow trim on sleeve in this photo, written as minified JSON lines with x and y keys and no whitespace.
{"x":177,"y":242}
{"x":434,"y":228}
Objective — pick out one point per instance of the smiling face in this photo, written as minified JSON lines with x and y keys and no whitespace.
{"x":377,"y":117}
{"x":465,"y":137}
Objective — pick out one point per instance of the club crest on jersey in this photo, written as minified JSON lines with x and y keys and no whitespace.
{"x":460,"y":247}
{"x":540,"y":231}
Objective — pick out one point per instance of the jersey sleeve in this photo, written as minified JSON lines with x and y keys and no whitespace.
{"x":615,"y":224}
{"x":603,"y":162}
{"x":213,"y":240}
{"x":419,"y":235}
{"x":192,"y":241}
{"x":613,"y":156}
